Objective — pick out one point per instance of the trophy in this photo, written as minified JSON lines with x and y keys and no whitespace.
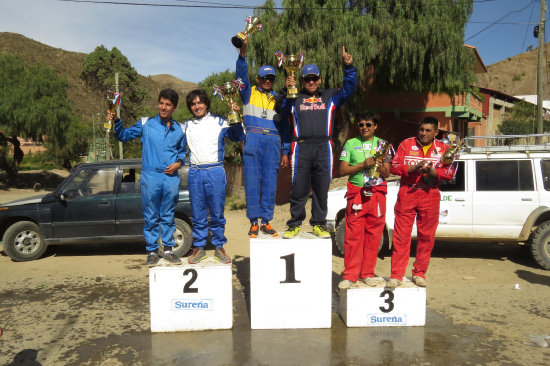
{"x":292,"y":64}
{"x":252,"y":25}
{"x":228,"y":91}
{"x":381,"y":151}
{"x":449,"y":155}
{"x":113,"y":100}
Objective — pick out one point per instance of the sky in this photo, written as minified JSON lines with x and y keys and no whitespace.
{"x":191,"y":43}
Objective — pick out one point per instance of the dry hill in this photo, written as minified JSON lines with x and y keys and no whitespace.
{"x":85,"y":102}
{"x":516,"y":75}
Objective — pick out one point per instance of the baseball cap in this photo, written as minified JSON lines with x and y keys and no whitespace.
{"x":310,"y":69}
{"x":266,"y":70}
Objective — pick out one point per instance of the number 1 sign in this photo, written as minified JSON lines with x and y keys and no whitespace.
{"x":290,"y":283}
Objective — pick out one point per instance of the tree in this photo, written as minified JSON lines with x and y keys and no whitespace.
{"x":519,"y":120}
{"x":34,"y":104}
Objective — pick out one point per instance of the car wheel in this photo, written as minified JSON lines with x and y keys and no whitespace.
{"x":540,"y":245}
{"x":24,"y":241}
{"x":340,"y":234}
{"x":183,"y":238}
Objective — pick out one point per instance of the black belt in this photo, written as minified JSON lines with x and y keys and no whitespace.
{"x":312,"y":140}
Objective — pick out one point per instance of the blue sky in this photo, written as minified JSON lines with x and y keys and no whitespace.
{"x":192,"y":43}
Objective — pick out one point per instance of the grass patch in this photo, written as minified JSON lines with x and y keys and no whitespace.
{"x":235,"y":203}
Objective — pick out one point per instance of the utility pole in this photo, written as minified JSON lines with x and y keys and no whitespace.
{"x":540,"y":66}
{"x":118,"y":116}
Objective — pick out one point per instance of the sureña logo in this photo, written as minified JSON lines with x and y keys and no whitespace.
{"x":387,"y":320}
{"x":185,"y":304}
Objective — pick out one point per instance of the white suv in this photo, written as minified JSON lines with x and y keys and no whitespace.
{"x":499,"y":194}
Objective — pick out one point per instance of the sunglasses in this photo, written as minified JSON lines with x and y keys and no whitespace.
{"x":307,"y":79}
{"x":367,"y":124}
{"x":268,"y":77}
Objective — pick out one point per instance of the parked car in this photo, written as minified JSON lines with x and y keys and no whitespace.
{"x":499,"y":194}
{"x":97,"y":202}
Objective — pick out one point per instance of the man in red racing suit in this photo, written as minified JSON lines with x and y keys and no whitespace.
{"x":418,"y":162}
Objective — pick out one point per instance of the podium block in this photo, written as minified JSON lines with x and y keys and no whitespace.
{"x":191,"y":296}
{"x":290,"y":283}
{"x":366,"y":306}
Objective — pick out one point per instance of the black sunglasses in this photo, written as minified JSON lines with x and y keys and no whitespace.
{"x":367,"y":124}
{"x":268,"y":77}
{"x":307,"y":79}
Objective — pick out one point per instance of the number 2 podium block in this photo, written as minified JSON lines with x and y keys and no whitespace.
{"x":290,"y":283}
{"x":191,"y":296}
{"x":378,"y":306}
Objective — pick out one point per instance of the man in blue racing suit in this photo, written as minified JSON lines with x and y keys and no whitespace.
{"x":162,"y":153}
{"x":262,"y":148}
{"x":205,"y":137}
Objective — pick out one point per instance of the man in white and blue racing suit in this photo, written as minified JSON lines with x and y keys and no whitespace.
{"x":205,"y":137}
{"x":162,"y":153}
{"x":262,"y":149}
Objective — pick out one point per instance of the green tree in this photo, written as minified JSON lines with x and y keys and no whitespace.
{"x":34,"y":104}
{"x":520,"y":120}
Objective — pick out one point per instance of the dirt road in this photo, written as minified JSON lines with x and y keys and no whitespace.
{"x":89,"y":305}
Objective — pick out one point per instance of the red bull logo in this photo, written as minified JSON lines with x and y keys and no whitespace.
{"x":312,"y":100}
{"x":312,"y":103}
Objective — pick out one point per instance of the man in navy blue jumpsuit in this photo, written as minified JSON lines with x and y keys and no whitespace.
{"x":311,"y":118}
{"x":162,"y":152}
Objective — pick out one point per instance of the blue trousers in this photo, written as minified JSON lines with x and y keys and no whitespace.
{"x":159,"y":195}
{"x":207,"y":195}
{"x":262,"y":159}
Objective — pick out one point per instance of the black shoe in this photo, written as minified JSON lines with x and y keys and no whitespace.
{"x":268,"y":230}
{"x":171,"y":257}
{"x":253,"y":232}
{"x":152,"y":259}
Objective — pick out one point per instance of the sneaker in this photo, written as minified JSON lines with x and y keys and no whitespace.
{"x":220,"y":255}
{"x":393,"y":283}
{"x":345,"y":284}
{"x":171,"y":257}
{"x":197,"y":255}
{"x":291,"y":232}
{"x":152,"y":259}
{"x":253,"y":232}
{"x":321,"y":232}
{"x":419,"y":281}
{"x":369,"y":281}
{"x":268,"y":230}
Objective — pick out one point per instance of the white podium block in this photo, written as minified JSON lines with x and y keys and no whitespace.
{"x":366,"y":306}
{"x":290,"y":283}
{"x":191,"y":296}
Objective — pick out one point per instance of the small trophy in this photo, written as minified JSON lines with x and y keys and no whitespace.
{"x":252,"y":25}
{"x":292,"y":64}
{"x":381,"y":151}
{"x":228,"y":91}
{"x":113,"y":100}
{"x":449,"y":155}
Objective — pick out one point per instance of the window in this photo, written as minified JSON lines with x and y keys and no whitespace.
{"x":91,"y":182}
{"x":458,"y":183}
{"x":545,"y":167}
{"x":504,"y":175}
{"x":130,"y":180}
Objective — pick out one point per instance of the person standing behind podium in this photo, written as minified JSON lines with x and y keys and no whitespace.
{"x":418,"y":162}
{"x":366,"y":208}
{"x":162,"y":154}
{"x":262,"y":148}
{"x":206,"y":178}
{"x":311,"y":118}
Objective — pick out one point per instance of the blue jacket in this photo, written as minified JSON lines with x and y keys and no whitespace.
{"x":160,"y":145}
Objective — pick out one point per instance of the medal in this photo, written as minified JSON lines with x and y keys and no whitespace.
{"x":264,"y":114}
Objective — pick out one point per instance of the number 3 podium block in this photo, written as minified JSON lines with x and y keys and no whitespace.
{"x":290,"y":283}
{"x":191,"y":296}
{"x":365,"y":306}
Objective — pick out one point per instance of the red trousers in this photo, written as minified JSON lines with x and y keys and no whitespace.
{"x":424,"y":206}
{"x":364,"y":228}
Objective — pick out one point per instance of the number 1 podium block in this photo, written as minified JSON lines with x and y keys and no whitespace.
{"x":379,"y":306}
{"x":290,"y":282}
{"x":191,"y":296}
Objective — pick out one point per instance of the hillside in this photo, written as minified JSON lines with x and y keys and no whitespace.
{"x":516,"y":75}
{"x":85,"y":102}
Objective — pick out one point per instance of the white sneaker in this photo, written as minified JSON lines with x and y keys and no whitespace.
{"x":419,"y":281}
{"x":393,"y":283}
{"x":345,"y":284}
{"x":369,"y":281}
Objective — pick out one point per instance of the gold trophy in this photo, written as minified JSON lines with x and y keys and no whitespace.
{"x":292,"y":64}
{"x":252,"y":25}
{"x":113,"y":100}
{"x":449,"y":155}
{"x":228,"y":91}
{"x":381,"y":151}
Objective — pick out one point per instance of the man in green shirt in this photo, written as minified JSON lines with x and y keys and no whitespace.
{"x":366,"y":159}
